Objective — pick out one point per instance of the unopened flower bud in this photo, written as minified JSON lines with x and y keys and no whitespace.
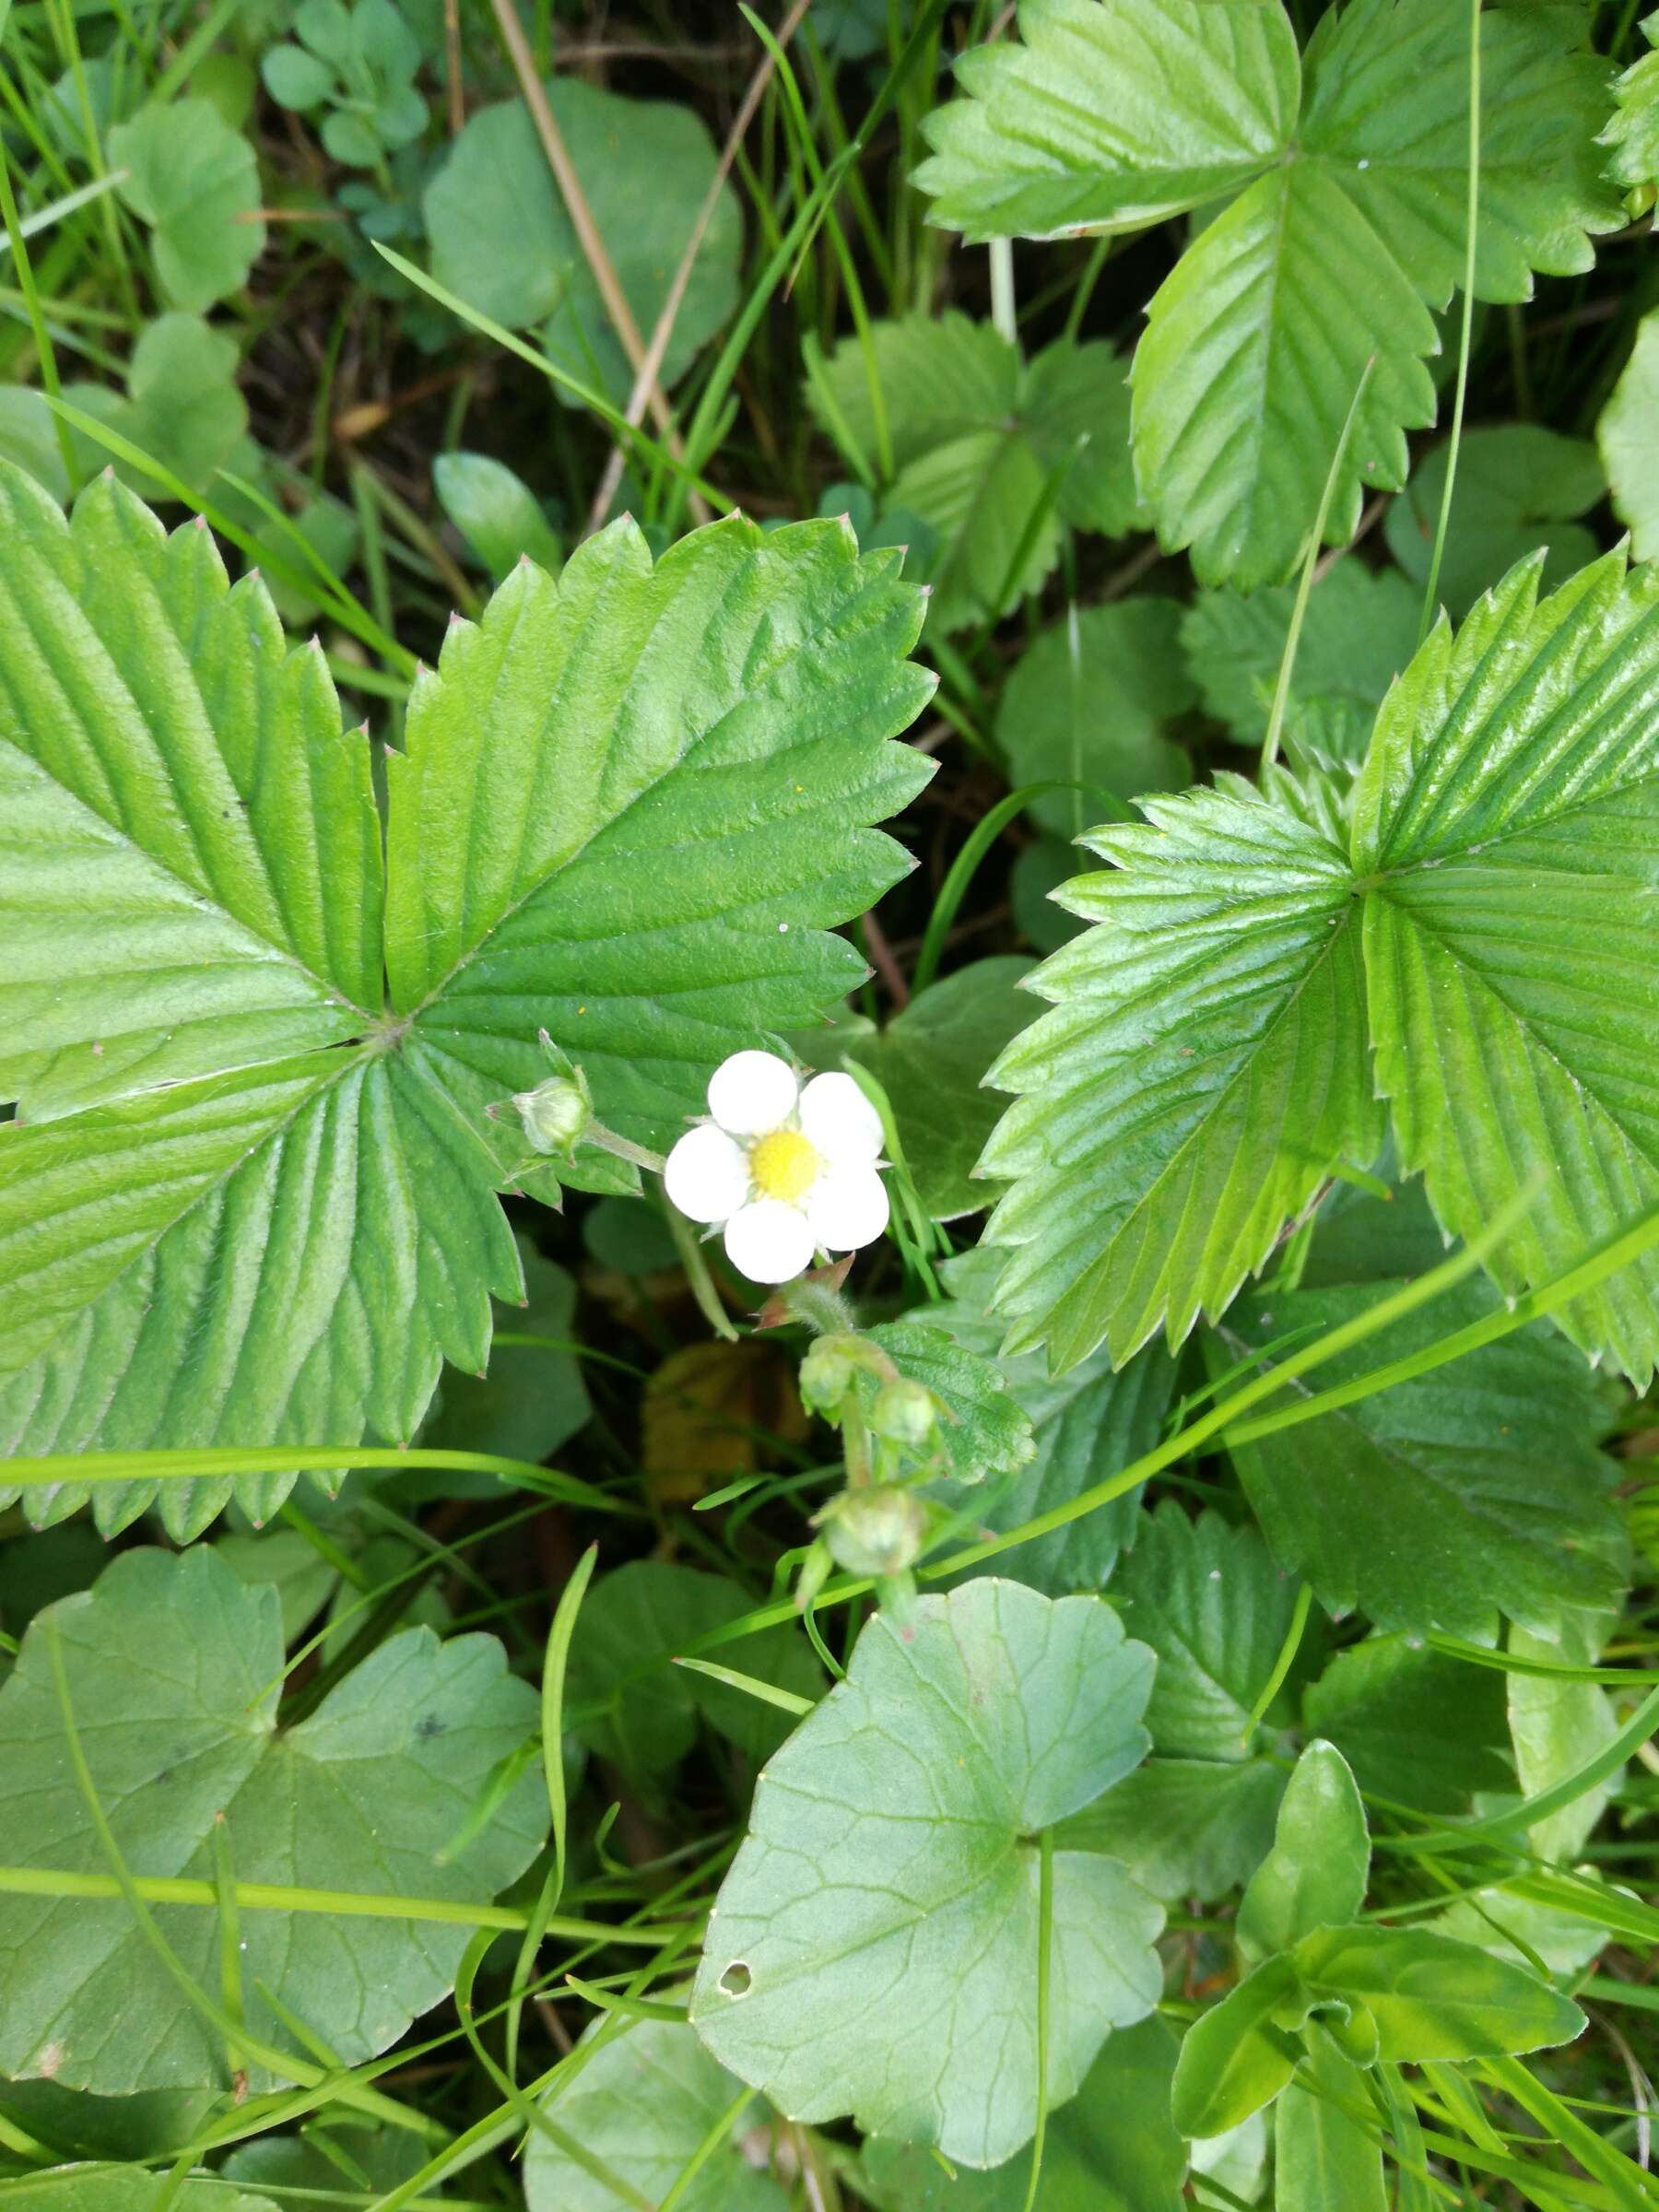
{"x":827,"y":1375}
{"x":905,"y":1413}
{"x":555,"y":1114}
{"x":878,"y":1532}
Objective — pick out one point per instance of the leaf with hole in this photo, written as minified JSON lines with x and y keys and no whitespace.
{"x":893,"y":1841}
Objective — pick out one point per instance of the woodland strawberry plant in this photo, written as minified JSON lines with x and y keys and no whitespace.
{"x":830,"y":1177}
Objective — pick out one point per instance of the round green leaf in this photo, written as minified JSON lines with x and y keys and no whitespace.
{"x":893,"y":1846}
{"x":195,"y":181}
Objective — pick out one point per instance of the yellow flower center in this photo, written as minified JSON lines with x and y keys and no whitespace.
{"x":785,"y":1165}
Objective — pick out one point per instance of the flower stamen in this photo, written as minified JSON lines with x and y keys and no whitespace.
{"x":785,"y":1164}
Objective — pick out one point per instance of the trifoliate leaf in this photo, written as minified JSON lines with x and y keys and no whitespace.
{"x":631,"y":1705}
{"x":1204,"y":97}
{"x":1088,"y":1425}
{"x":677,"y":766}
{"x":1518,"y":486}
{"x":1416,"y":1726}
{"x":1315,"y":1875}
{"x":1202,"y":1070}
{"x":1468,"y":1491}
{"x":1507,"y":835}
{"x":195,"y":181}
{"x":1359,"y":631}
{"x":1350,"y":177}
{"x":1090,"y":705}
{"x":931,"y":1060}
{"x":1183,"y":1827}
{"x":893,"y":1843}
{"x":1624,"y":434}
{"x":504,"y":242}
{"x":360,"y":1798}
{"x":992,"y":453}
{"x":1113,"y":2148}
{"x":1210,"y":1602}
{"x":1633,"y":133}
{"x":496,"y":513}
{"x":644,"y":2104}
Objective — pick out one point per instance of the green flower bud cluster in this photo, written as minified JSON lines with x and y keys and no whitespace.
{"x":880,"y":1524}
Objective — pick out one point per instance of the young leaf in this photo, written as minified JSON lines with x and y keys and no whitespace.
{"x":1518,"y":488}
{"x":1235,"y":2058}
{"x":892,"y":1843}
{"x":1326,"y":2148}
{"x":985,"y":1431}
{"x":1113,"y":2148}
{"x":1202,"y":1072}
{"x":1210,"y":1602}
{"x":362,"y":1797}
{"x":1624,"y":432}
{"x":1433,"y":1998}
{"x":1347,"y":229}
{"x":1090,"y":705}
{"x":1315,"y":1875}
{"x":1449,"y":1498}
{"x":642,"y":2106}
{"x":496,"y":513}
{"x":1507,"y":831}
{"x":1088,"y":1425}
{"x":677,"y":767}
{"x":504,"y":242}
{"x":195,"y":181}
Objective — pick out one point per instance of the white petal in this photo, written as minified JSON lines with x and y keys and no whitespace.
{"x":707,"y":1175}
{"x":752,"y":1092}
{"x":769,"y":1241}
{"x":840,"y":1121}
{"x":847,"y":1208}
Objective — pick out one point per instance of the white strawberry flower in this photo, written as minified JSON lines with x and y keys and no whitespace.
{"x":785,"y":1171}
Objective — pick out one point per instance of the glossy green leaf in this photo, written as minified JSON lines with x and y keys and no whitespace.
{"x":1325,"y":2138}
{"x":361,"y":1796}
{"x":1234,"y":2059}
{"x":1316,"y":1873}
{"x":1347,"y":229}
{"x":1508,"y":820}
{"x":1090,"y":704}
{"x":931,"y":1060}
{"x":1359,"y":631}
{"x":1518,"y":488}
{"x":1212,"y":1605}
{"x":1433,"y":1998}
{"x":1203,"y":1069}
{"x":1184,"y":1828}
{"x":1113,"y":2148}
{"x":626,"y":1699}
{"x":641,"y":2109}
{"x":1624,"y":435}
{"x":1088,"y":1425}
{"x":1416,"y":1726}
{"x":496,"y":513}
{"x":195,"y":181}
{"x":1472,"y":1490}
{"x":677,"y":765}
{"x":892,"y":1842}
{"x":504,"y":242}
